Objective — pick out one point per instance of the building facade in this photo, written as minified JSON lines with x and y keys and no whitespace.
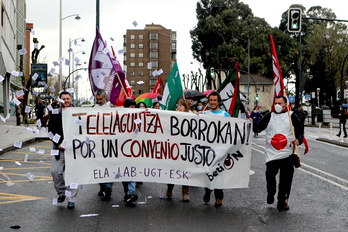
{"x":12,"y":32}
{"x":145,"y":51}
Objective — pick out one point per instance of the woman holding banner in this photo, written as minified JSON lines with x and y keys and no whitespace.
{"x":183,"y":106}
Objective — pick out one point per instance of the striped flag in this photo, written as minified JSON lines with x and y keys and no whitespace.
{"x":279,"y":89}
{"x":172,"y":90}
{"x":158,"y":86}
{"x":229,"y":92}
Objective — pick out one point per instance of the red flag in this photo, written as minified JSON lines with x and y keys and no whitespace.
{"x":128,"y":93}
{"x":277,"y":74}
{"x":158,"y":86}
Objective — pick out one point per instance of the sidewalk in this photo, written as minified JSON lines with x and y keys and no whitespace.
{"x":11,"y":134}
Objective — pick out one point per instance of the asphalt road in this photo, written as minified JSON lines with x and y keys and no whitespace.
{"x":318,"y":200}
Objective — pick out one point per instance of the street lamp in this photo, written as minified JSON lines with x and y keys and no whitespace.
{"x":77,"y":17}
{"x":70,"y":41}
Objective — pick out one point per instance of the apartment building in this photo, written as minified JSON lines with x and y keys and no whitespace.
{"x":148,"y":50}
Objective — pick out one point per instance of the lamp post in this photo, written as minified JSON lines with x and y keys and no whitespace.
{"x":77,"y":17}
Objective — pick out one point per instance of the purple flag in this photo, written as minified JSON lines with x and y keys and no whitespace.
{"x":103,"y":69}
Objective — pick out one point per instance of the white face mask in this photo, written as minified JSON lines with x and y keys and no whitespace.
{"x":278,"y":108}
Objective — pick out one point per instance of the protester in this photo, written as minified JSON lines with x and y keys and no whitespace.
{"x":129,"y":187}
{"x":199,"y":106}
{"x":214,"y":100}
{"x":105,"y":188}
{"x":343,"y":119}
{"x":40,"y":111}
{"x":183,"y":106}
{"x":141,"y":105}
{"x":55,"y":126}
{"x":279,"y":154}
{"x":156,"y":105}
{"x":256,"y":117}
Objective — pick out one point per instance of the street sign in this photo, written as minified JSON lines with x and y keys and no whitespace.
{"x":291,"y":98}
{"x":308,"y":97}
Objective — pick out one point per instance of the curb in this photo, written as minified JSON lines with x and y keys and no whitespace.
{"x":24,"y":143}
{"x":342,"y":144}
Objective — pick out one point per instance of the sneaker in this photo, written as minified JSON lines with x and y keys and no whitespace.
{"x":270,"y":199}
{"x":101,"y":193}
{"x":283,"y":206}
{"x":71,"y":205}
{"x":107,"y":196}
{"x":131,"y":198}
{"x":61,"y":199}
{"x":218,"y":203}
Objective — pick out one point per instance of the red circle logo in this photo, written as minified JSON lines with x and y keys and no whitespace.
{"x":279,"y":142}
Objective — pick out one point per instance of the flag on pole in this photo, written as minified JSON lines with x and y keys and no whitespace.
{"x":128,"y":93}
{"x":158,"y":86}
{"x":172,"y":90}
{"x":229,"y":92}
{"x":104,"y":70}
{"x":279,"y":89}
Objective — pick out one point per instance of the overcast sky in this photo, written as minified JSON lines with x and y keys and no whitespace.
{"x":116,"y":16}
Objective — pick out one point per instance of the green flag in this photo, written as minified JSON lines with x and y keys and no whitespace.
{"x":172,"y":90}
{"x":229,"y":92}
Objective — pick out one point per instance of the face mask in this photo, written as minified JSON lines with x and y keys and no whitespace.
{"x":199,"y":107}
{"x":278,"y":108}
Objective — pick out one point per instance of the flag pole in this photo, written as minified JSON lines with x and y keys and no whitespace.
{"x":119,"y":79}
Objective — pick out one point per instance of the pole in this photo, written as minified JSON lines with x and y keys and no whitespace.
{"x":97,"y":14}
{"x":60,"y":43}
{"x":249,"y":72}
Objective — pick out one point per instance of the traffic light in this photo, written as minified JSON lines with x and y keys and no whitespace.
{"x":256,"y":97}
{"x":294,"y":19}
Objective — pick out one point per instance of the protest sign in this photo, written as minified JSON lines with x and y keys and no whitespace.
{"x":118,"y":144}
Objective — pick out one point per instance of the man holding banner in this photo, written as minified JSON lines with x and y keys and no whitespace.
{"x":214,"y":101}
{"x":55,"y":126}
{"x":279,"y":155}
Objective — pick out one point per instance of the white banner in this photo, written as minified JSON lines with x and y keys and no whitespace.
{"x":118,"y":144}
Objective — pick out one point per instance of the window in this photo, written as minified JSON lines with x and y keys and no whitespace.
{"x":153,"y":45}
{"x":132,"y":55}
{"x":132,"y":73}
{"x":132,"y":45}
{"x":132,"y":37}
{"x":141,"y":64}
{"x":174,"y":46}
{"x":132,"y":64}
{"x":153,"y":54}
{"x":173,"y":36}
{"x":140,"y":91}
{"x":173,"y":56}
{"x":153,"y":36}
{"x":141,"y":55}
{"x":132,"y":82}
{"x":141,"y":73}
{"x":154,"y":63}
{"x":141,"y":45}
{"x":153,"y":81}
{"x":141,"y":37}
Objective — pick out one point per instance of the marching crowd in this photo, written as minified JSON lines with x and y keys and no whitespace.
{"x":284,"y":132}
